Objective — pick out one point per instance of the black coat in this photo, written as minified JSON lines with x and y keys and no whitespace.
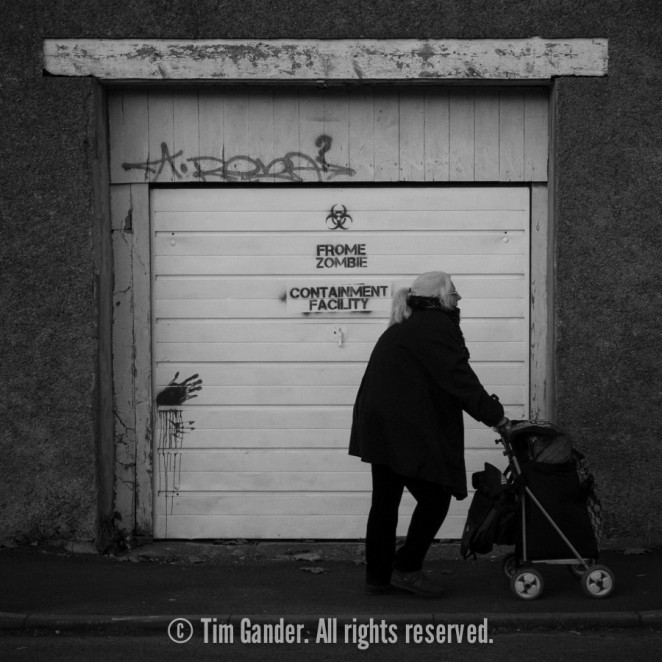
{"x":408,"y":411}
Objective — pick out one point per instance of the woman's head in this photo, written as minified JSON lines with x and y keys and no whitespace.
{"x":432,"y":284}
{"x":439,"y":285}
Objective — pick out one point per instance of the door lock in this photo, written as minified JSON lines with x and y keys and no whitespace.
{"x":339,"y":333}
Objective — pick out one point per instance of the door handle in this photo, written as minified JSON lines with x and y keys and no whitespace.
{"x":338,"y":333}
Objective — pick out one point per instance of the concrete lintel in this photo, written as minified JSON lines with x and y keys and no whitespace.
{"x":397,"y":60}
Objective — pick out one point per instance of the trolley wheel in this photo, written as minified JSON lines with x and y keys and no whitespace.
{"x":577,"y":569}
{"x":527,"y":583}
{"x":510,"y":565}
{"x":598,"y":581}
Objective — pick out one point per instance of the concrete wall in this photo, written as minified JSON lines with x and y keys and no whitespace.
{"x":606,"y":169}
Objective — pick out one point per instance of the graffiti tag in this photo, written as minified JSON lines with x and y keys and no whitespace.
{"x":293,"y":167}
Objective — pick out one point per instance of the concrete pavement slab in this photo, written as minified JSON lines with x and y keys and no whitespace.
{"x":146,"y":588}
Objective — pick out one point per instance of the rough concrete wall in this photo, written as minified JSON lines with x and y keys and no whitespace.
{"x":609,"y":251}
{"x":607,"y":168}
{"x":48,"y":316}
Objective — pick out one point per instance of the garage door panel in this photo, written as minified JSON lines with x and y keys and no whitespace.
{"x":266,"y":374}
{"x":266,"y":438}
{"x":337,"y":417}
{"x":262,"y":352}
{"x":373,"y":220}
{"x":277,"y":395}
{"x":261,"y":245}
{"x":267,"y":331}
{"x":263,"y":461}
{"x":377,"y":265}
{"x":268,"y":288}
{"x":243,"y":200}
{"x":308,"y":395}
{"x":278,"y":527}
{"x":281,"y":527}
{"x":277,"y":309}
{"x":268,"y":417}
{"x":257,"y":481}
{"x":223,"y":438}
{"x":287,"y":462}
{"x":270,"y":427}
{"x":274,"y":504}
{"x":202,"y":331}
{"x":302,"y":351}
{"x":237,"y":375}
{"x":267,"y":481}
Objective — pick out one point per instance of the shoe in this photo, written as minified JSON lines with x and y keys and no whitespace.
{"x":416,"y":582}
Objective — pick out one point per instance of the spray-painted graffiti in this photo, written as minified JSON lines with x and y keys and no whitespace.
{"x":293,"y":167}
{"x":338,"y":218}
{"x":172,"y":429}
{"x":171,"y":437}
{"x":324,"y":144}
{"x":175,"y":393}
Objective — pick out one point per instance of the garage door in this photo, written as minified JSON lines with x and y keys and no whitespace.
{"x":275,"y":297}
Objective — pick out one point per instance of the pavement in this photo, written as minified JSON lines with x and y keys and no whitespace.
{"x":144,"y":589}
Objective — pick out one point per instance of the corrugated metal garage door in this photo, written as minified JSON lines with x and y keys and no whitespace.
{"x":275,"y":297}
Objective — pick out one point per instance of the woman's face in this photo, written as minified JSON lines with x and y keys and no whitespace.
{"x":454,"y":295}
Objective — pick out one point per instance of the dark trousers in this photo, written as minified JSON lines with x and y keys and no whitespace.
{"x":432,"y":502}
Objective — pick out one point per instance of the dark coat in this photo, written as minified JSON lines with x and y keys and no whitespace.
{"x":408,"y":411}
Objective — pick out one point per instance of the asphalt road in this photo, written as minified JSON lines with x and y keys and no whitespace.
{"x":638,"y":645}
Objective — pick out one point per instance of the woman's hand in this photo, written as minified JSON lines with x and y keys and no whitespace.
{"x":502,"y":425}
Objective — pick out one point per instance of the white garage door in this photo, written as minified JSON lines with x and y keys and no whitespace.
{"x":275,"y":297}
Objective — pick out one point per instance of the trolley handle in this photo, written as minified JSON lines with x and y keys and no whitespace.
{"x":506,"y":432}
{"x":504,"y":429}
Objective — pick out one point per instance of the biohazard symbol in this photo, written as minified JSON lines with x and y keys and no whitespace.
{"x":338,"y":218}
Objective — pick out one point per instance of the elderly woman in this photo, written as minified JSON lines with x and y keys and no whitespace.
{"x":408,"y":425}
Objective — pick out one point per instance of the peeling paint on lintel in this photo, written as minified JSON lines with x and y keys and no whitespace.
{"x":398,"y":60}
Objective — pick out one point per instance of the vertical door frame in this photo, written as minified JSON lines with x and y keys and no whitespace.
{"x":541,"y":297}
{"x":132,"y":356}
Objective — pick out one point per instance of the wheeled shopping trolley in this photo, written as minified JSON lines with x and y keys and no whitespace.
{"x":545,"y":505}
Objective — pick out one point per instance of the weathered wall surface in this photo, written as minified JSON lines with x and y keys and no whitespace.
{"x":607,"y":173}
{"x":48,"y":319}
{"x":608,"y":272}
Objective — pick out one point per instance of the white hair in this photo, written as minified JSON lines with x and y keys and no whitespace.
{"x":432,"y":284}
